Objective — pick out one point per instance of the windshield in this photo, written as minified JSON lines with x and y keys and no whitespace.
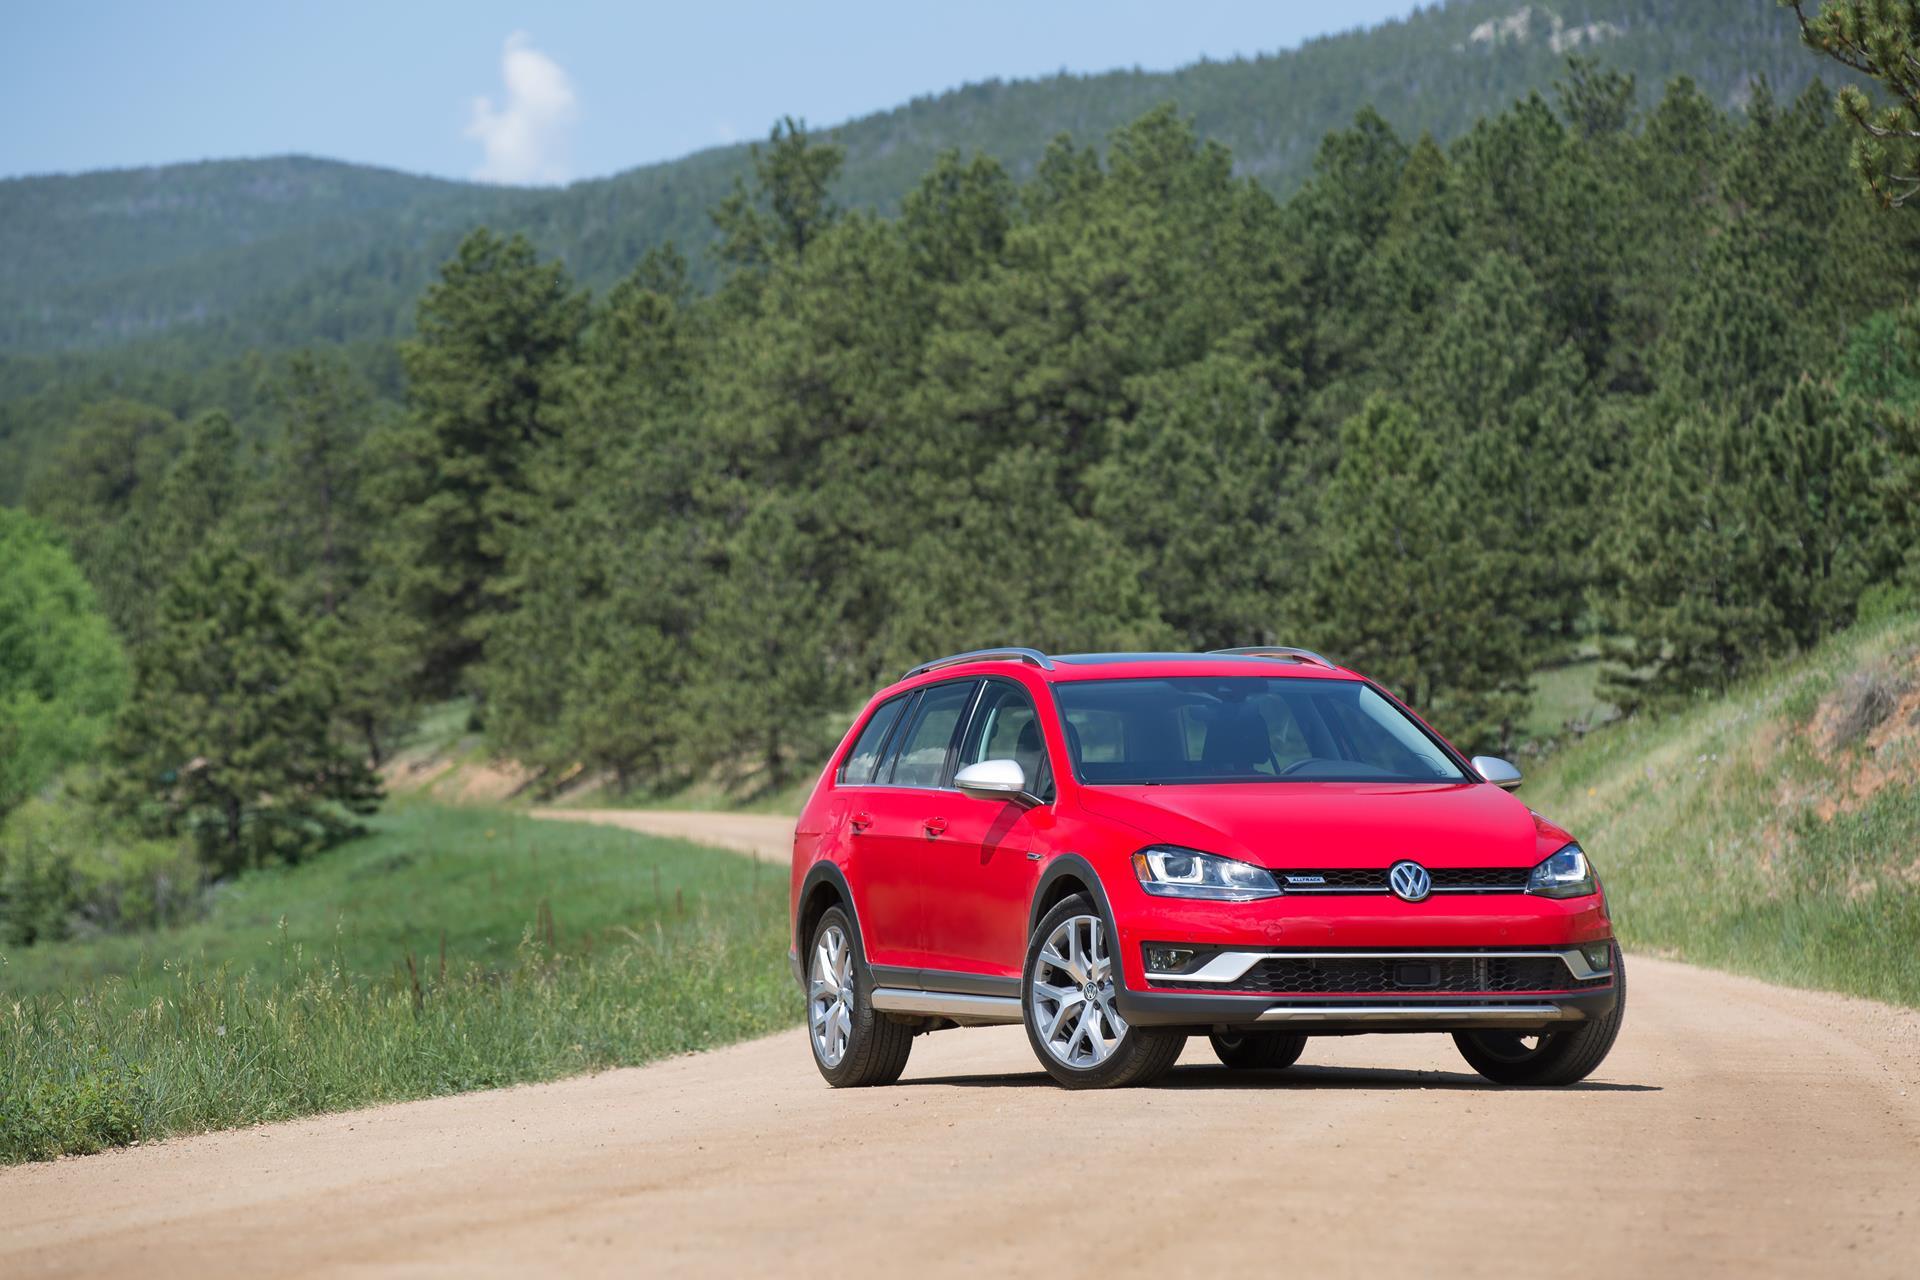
{"x":1196,"y":729}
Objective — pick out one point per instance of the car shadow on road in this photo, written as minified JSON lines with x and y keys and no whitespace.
{"x":1298,"y":1077}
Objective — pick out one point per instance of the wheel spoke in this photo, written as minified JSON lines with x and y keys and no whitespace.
{"x":1075,"y":1036}
{"x":1065,"y":1000}
{"x":1114,"y":1019}
{"x":1096,"y":1043}
{"x":1064,"y":965}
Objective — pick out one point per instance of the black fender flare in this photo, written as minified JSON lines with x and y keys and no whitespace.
{"x":825,"y":872}
{"x":1078,"y":868}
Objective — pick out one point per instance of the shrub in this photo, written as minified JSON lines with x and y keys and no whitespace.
{"x":77,"y":1114}
{"x":65,"y":869}
{"x":61,"y":671}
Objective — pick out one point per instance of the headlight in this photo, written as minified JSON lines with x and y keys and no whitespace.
{"x":1567,"y":874}
{"x":1173,"y":872}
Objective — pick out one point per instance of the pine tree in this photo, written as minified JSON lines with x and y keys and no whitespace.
{"x":1196,"y":487}
{"x":317,"y":519}
{"x":497,"y":332}
{"x":592,"y":667}
{"x":228,"y":734}
{"x":1403,"y":587}
{"x":102,"y":490}
{"x":1817,"y":461}
{"x":1689,"y":553}
{"x":1499,"y":388}
{"x":1879,"y":39}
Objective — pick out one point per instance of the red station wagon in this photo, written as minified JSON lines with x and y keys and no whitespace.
{"x":1121,"y":850}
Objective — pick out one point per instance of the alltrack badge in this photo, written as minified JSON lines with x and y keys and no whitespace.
{"x":1409,"y":880}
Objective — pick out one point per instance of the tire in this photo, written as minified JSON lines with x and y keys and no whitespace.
{"x":852,"y":1045}
{"x":1559,"y":1057}
{"x":1257,"y":1050}
{"x":1104,"y":1053}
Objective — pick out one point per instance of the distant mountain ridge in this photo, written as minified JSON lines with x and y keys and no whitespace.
{"x":292,"y":250}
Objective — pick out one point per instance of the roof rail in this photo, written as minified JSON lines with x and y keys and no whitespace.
{"x":1034,"y":656}
{"x":1277,"y":651}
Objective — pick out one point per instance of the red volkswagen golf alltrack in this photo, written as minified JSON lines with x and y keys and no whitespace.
{"x":1124,"y":849}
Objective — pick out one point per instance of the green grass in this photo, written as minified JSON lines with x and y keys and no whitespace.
{"x":1562,"y":695}
{"x":1716,"y":835}
{"x":450,"y":950}
{"x":711,"y":795}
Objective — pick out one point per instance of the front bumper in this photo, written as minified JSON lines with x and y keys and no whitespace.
{"x":1311,"y":991}
{"x":1312,"y":922}
{"x":1351,"y":1015}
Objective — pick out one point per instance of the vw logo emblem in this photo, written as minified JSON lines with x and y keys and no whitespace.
{"x":1410,"y":881}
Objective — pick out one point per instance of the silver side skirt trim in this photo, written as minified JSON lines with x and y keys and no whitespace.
{"x":942,"y":1004}
{"x":1479,"y":1015}
{"x":1231,"y":966}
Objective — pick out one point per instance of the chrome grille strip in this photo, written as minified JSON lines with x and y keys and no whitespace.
{"x":1526,"y":1014}
{"x":1231,"y":966}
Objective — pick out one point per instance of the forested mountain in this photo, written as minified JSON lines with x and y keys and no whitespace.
{"x":1617,"y":367}
{"x":280,"y":252}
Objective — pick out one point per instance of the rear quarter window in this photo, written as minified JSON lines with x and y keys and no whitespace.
{"x":860,"y":762}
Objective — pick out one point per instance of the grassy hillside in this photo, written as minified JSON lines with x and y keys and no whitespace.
{"x":290,"y":250}
{"x":450,"y":950}
{"x":1775,"y":831}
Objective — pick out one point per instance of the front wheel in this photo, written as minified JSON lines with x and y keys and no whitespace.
{"x":1067,"y":997}
{"x":852,"y":1045}
{"x":1557,"y":1057}
{"x":1257,"y":1050}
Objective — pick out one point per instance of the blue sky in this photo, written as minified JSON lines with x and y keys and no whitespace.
{"x":523,"y":92}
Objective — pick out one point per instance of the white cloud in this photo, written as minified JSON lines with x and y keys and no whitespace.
{"x":527,"y":137}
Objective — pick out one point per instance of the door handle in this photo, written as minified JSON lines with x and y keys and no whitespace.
{"x":860,"y":821}
{"x":935,"y":826}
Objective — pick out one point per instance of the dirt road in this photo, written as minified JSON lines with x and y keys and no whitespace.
{"x":764,"y":836}
{"x":1738,"y":1129}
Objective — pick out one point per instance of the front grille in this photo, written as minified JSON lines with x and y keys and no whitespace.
{"x":1350,"y":975}
{"x":1374,"y":880}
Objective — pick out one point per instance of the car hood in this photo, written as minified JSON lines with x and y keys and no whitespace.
{"x":1312,"y":825}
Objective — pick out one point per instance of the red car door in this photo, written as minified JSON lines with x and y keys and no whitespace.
{"x":893,"y":829}
{"x":851,"y":814}
{"x":983,"y":863}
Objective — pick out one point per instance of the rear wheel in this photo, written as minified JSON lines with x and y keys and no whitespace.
{"x":852,"y":1045}
{"x":1257,"y":1050}
{"x":1556,"y":1057}
{"x":1067,"y":997}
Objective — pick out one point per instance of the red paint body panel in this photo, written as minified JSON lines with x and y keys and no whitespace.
{"x":958,"y":900}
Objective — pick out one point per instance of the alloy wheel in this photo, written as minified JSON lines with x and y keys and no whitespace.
{"x":1072,"y":994}
{"x":830,"y":998}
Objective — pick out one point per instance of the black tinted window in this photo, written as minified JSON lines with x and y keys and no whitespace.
{"x":920,"y":759}
{"x":858,"y":770}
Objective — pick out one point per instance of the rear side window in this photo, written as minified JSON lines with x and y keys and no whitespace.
{"x":858,"y":770}
{"x":921,"y":758}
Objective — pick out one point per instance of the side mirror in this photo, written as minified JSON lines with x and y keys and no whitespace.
{"x":993,"y":780}
{"x":1500,"y":773}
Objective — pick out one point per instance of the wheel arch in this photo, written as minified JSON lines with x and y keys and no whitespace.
{"x":1065,"y":876}
{"x":824,"y":886}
